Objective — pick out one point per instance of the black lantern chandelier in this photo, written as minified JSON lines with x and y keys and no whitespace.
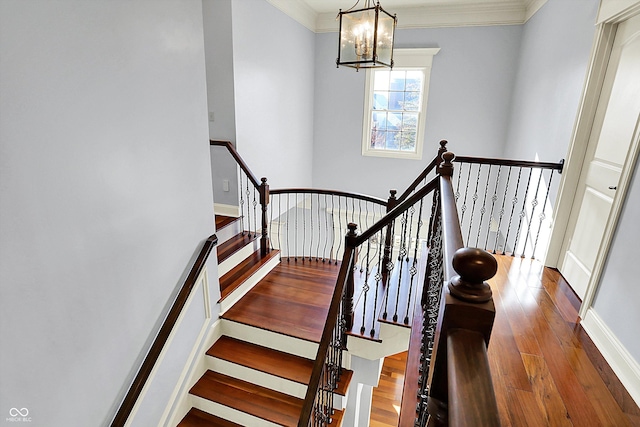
{"x":366,"y":37}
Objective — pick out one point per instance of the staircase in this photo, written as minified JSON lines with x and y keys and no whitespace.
{"x":272,"y":315}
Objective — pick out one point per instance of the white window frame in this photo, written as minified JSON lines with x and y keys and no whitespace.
{"x":404,"y":59}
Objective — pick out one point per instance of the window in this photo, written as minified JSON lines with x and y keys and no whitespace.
{"x":395,"y":105}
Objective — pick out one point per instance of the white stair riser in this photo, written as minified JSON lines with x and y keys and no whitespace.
{"x":256,"y":377}
{"x":228,"y":413}
{"x":239,"y":292}
{"x":225,"y":266}
{"x":269,"y":339}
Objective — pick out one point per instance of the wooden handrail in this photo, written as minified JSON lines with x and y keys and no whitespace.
{"x":507,"y":162}
{"x":229,"y":146}
{"x":327,"y":333}
{"x":472,"y":401}
{"x":124,"y":411}
{"x":430,"y":167}
{"x":358,"y":196}
{"x":397,"y":211}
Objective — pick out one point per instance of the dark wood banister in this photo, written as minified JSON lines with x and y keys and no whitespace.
{"x":232,"y":150}
{"x":396,"y":212}
{"x":363,"y":197}
{"x":124,"y":411}
{"x":465,"y":322}
{"x":327,"y":332}
{"x":508,"y":162}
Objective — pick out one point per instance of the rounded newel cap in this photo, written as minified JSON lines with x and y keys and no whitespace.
{"x":352,"y":227}
{"x":443,"y":143}
{"x":393,"y":193}
{"x":474,"y":266}
{"x":448,"y":157}
{"x":263,"y":179}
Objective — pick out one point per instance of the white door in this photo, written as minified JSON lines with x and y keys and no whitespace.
{"x":615,"y":125}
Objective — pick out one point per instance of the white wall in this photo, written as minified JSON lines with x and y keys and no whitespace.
{"x":552,"y":67}
{"x":273,"y":76}
{"x":106,"y":194}
{"x":469,"y":98}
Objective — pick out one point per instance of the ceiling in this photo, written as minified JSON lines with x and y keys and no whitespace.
{"x":320,"y":15}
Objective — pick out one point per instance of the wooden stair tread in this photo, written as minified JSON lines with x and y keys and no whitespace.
{"x":274,"y":362}
{"x":252,"y":399}
{"x":197,"y":418}
{"x":222,"y":221}
{"x":233,"y":245}
{"x":240,"y":273}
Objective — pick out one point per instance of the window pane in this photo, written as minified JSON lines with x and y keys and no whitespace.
{"x":397,"y":80}
{"x":396,"y":100}
{"x":408,"y":141}
{"x":414,"y":80}
{"x":379,"y":121}
{"x":378,"y":139}
{"x":393,"y":140}
{"x":380,"y":100}
{"x":409,"y":122}
{"x":412,"y":101}
{"x":381,"y":80}
{"x":394,"y":121}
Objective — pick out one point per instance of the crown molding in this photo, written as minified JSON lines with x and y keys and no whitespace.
{"x":299,"y":11}
{"x":461,"y":15}
{"x":532,"y":6}
{"x":510,"y":12}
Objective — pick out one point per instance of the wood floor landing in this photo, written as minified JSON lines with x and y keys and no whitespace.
{"x":546,"y":371}
{"x":293,"y":299}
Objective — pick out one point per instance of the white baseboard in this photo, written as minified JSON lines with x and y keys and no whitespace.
{"x":623,"y":364}
{"x":227,"y":210}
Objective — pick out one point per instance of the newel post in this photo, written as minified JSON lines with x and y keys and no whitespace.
{"x":441,"y":150}
{"x":347,"y":301}
{"x":392,"y":202}
{"x":264,"y":202}
{"x":466,"y":304}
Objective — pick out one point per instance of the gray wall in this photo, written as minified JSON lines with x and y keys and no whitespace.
{"x":218,"y":45}
{"x":273,"y":76}
{"x":617,"y":298}
{"x":469,"y":98}
{"x":552,"y":66}
{"x":106,"y":194}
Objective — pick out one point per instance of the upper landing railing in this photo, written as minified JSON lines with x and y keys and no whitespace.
{"x":493,"y":205}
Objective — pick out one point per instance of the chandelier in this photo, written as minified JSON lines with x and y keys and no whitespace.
{"x":366,"y":37}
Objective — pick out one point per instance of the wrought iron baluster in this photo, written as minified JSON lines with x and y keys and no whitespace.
{"x":466,"y":191}
{"x":414,"y":270}
{"x":255,"y":216}
{"x":494,"y":198}
{"x":365,"y":288}
{"x":514,"y":201}
{"x":504,"y":199}
{"x":287,"y":238}
{"x":522,"y":214}
{"x":295,"y":228}
{"x":483,"y":208}
{"x":542,"y":214}
{"x":248,"y":194}
{"x":390,"y":267}
{"x":378,"y":278}
{"x":333,"y":229}
{"x":271,"y":220}
{"x":475,"y":199}
{"x":534,"y":204}
{"x":241,"y":204}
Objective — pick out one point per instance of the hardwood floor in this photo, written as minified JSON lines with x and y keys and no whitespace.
{"x":385,"y":403}
{"x":546,"y":370}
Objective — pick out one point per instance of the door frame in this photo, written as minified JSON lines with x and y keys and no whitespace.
{"x":610,"y":15}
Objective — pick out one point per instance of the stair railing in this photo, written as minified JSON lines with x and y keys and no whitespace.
{"x":307,"y":224}
{"x":150,"y":360}
{"x":251,"y":193}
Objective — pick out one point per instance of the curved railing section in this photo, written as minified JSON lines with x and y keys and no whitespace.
{"x":124,"y":411}
{"x":307,"y":224}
